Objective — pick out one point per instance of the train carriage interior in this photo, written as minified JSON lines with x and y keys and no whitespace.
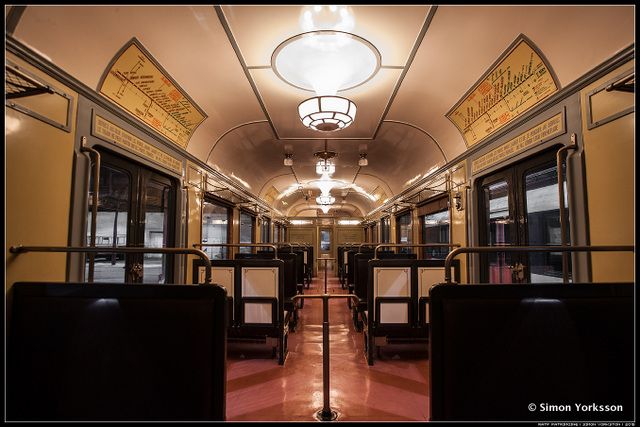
{"x":301,"y":213}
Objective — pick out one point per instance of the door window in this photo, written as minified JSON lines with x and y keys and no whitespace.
{"x":520,"y":206}
{"x":135,"y":209}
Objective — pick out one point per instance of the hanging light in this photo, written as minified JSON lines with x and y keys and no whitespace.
{"x":363,"y":160}
{"x":288,"y":159}
{"x":325,"y":167}
{"x":326,"y":61}
{"x":327,"y":113}
{"x":325,"y":199}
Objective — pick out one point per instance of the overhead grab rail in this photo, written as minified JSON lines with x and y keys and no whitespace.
{"x":417,"y":245}
{"x":94,"y":203}
{"x":240,"y":245}
{"x":497,"y":249}
{"x":119,"y":250}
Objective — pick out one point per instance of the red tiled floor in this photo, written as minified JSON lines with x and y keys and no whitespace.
{"x":394,"y":389}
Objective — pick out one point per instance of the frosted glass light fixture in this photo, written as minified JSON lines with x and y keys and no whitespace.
{"x":325,"y":167}
{"x":327,"y":113}
{"x":325,"y":61}
{"x":325,"y":199}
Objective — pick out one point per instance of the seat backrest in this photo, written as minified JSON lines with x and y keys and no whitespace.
{"x":511,"y":352}
{"x":98,"y":351}
{"x":391,"y":292}
{"x":289,"y":272}
{"x":430,"y":272}
{"x":259,"y":293}
{"x":361,"y":273}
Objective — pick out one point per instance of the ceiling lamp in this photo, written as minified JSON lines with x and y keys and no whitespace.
{"x":288,"y":159}
{"x":325,"y":208}
{"x":327,"y":113}
{"x":363,"y":160}
{"x":325,"y":61}
{"x":325,"y":199}
{"x":325,"y":167}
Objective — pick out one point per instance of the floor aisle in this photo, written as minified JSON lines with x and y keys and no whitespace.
{"x":394,"y":389}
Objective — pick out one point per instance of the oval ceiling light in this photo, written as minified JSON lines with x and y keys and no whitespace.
{"x":325,"y":61}
{"x":327,"y":113}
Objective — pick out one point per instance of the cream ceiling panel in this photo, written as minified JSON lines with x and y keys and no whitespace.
{"x":574,"y":39}
{"x":188,"y":42}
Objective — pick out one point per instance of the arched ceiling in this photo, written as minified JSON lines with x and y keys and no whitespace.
{"x":220,"y":56}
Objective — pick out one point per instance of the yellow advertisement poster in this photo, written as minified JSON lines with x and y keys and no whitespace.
{"x":137,"y":83}
{"x":520,"y":80}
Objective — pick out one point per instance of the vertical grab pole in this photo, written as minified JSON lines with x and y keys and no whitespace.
{"x":326,"y":414}
{"x":563,"y":224}
{"x":94,"y":203}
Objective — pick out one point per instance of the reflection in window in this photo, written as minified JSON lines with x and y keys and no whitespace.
{"x":111,"y":223}
{"x":403,"y":224}
{"x":215,"y":229}
{"x":435,"y":229}
{"x":385,"y":230}
{"x":246,"y":231}
{"x":265,"y":232}
{"x":543,"y":224}
{"x":325,"y":240}
{"x":499,"y":223}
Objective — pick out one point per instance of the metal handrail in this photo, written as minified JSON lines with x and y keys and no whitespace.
{"x":241,"y":245}
{"x":491,"y":249}
{"x":94,"y":204}
{"x":326,"y":414}
{"x":119,"y":250}
{"x":367,"y":244}
{"x":417,"y":245}
{"x":563,"y":224}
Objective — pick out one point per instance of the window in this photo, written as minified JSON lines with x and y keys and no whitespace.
{"x":135,"y":208}
{"x":265,"y":231}
{"x":325,"y":240}
{"x":403,"y":231}
{"x":434,"y":221}
{"x":215,"y":228}
{"x":385,"y":230}
{"x":435,"y":229}
{"x":247,"y":223}
{"x":520,"y":206}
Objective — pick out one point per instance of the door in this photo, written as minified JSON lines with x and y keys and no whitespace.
{"x":520,"y":206}
{"x":135,"y":209}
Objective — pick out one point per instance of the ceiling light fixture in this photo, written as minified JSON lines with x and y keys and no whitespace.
{"x":325,"y":62}
{"x":363,"y":160}
{"x":325,"y":199}
{"x":327,"y":113}
{"x":288,"y":159}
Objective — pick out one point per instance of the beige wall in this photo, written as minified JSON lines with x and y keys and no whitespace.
{"x":609,"y":163}
{"x":39,"y":162}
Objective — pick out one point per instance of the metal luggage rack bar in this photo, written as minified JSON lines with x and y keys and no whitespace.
{"x":119,"y":250}
{"x":241,"y":245}
{"x":417,"y":245}
{"x":497,"y":249}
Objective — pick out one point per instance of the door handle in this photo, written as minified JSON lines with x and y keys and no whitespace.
{"x":517,"y":272}
{"x":135,"y":272}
